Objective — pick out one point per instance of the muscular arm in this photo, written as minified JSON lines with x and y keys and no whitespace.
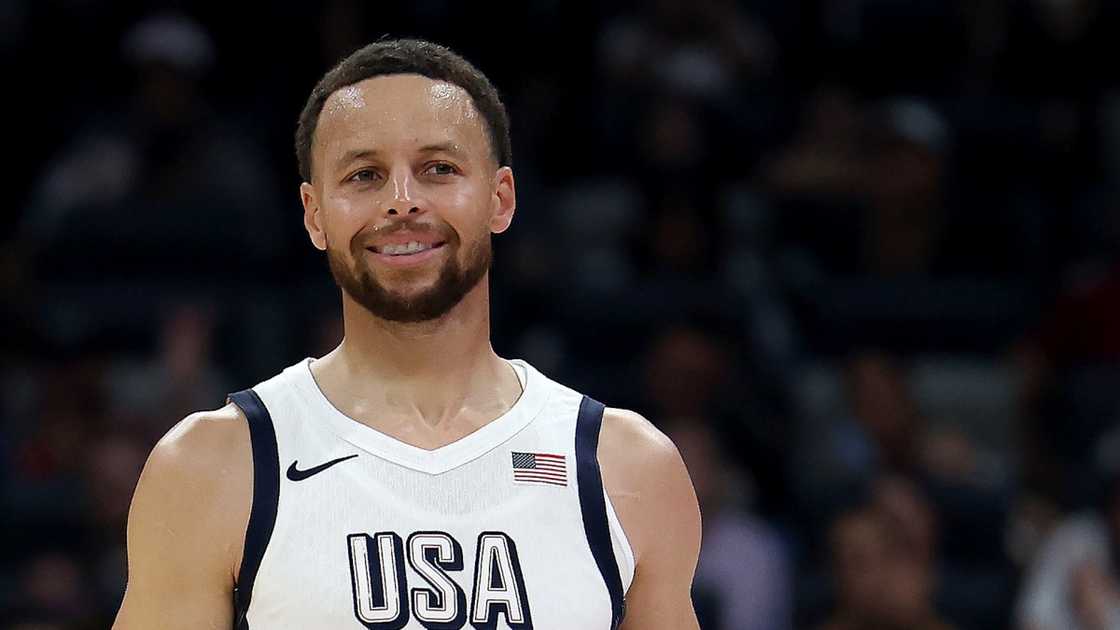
{"x":653,"y":496}
{"x":186,"y":527}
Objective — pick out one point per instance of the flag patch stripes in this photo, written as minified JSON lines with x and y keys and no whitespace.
{"x":545,"y":468}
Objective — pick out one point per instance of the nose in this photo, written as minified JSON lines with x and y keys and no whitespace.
{"x":404,"y":200}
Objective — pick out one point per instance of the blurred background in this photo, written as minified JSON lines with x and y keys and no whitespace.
{"x":857,"y":257}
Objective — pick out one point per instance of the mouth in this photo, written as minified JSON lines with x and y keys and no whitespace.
{"x":406,"y":254}
{"x":405,"y":249}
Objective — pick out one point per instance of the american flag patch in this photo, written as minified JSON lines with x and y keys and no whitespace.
{"x":540,"y":468}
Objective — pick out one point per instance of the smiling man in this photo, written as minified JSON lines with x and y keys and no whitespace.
{"x":411,"y":478}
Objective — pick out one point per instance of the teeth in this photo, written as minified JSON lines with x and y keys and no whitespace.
{"x":410,"y":247}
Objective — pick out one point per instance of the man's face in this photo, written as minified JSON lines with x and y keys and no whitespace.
{"x":405,"y":195}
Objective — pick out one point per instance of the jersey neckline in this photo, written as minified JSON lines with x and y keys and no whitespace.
{"x":489,"y":436}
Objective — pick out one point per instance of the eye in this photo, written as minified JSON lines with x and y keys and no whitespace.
{"x":364,"y":175}
{"x":442,"y":168}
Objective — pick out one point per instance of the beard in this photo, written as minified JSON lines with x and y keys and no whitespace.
{"x":454,"y":282}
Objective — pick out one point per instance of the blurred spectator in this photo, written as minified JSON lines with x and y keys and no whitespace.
{"x":744,"y":576}
{"x":923,"y":478}
{"x":700,"y":49}
{"x":52,"y":593}
{"x":908,"y":515}
{"x":905,"y":224}
{"x":1078,"y":328}
{"x":151,"y":394}
{"x":687,"y":374}
{"x":691,"y":372}
{"x":865,"y":189}
{"x":112,"y":467}
{"x":1070,"y":362}
{"x":47,"y":454}
{"x":152,"y":183}
{"x":877,"y":433}
{"x":681,"y":239}
{"x":883,"y":575}
{"x":713,"y":58}
{"x":823,"y":160}
{"x":1072,"y":583}
{"x":885,"y":409}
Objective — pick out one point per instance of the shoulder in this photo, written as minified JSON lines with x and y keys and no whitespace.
{"x":646,"y":481}
{"x":199,"y":476}
{"x":205,"y":449}
{"x":636,"y":456}
{"x":214,"y":432}
{"x":208,"y":453}
{"x":186,"y":526}
{"x":626,"y":434}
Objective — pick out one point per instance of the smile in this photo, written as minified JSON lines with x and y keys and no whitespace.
{"x":404,"y":249}
{"x":407,"y":254}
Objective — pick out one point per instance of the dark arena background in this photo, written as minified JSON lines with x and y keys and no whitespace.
{"x":858,"y":258}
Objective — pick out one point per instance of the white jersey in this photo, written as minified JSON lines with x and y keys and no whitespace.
{"x":508,"y":527}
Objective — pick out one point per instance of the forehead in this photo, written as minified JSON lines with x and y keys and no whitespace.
{"x":397,"y":111}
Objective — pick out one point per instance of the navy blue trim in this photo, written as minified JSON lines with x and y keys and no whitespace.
{"x":266,"y":496}
{"x":593,"y":505}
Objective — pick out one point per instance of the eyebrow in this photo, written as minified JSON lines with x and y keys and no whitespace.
{"x":441,"y":147}
{"x":355,"y":154}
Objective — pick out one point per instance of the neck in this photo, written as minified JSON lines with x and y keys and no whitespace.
{"x":432,"y":371}
{"x":436,"y":348}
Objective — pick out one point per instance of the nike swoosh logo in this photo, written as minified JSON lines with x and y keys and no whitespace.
{"x":296,"y":474}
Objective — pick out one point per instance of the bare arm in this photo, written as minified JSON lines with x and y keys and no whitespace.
{"x":653,"y":496}
{"x":186,"y":527}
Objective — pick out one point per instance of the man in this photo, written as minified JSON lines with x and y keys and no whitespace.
{"x":411,"y":478}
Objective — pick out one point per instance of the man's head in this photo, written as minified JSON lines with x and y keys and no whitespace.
{"x":405,"y":153}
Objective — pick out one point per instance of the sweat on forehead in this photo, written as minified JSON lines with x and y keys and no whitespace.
{"x":376,"y":107}
{"x":437,"y":93}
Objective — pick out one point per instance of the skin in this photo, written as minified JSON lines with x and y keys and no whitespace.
{"x":426,"y":384}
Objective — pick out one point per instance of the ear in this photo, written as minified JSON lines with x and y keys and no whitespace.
{"x":504,"y":200}
{"x":312,"y":216}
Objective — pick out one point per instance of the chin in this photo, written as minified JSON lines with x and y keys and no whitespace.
{"x":410,"y":291}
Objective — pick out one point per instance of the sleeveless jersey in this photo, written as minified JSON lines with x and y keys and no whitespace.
{"x":508,"y":527}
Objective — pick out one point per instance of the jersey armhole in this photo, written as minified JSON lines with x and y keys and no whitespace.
{"x":593,"y":504}
{"x":266,"y":498}
{"x":623,"y":550}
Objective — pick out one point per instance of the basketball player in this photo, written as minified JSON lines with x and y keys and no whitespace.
{"x":411,"y":478}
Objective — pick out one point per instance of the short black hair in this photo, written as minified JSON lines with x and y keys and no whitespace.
{"x":406,"y":56}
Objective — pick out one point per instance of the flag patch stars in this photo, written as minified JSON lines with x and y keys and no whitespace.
{"x":543,"y":468}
